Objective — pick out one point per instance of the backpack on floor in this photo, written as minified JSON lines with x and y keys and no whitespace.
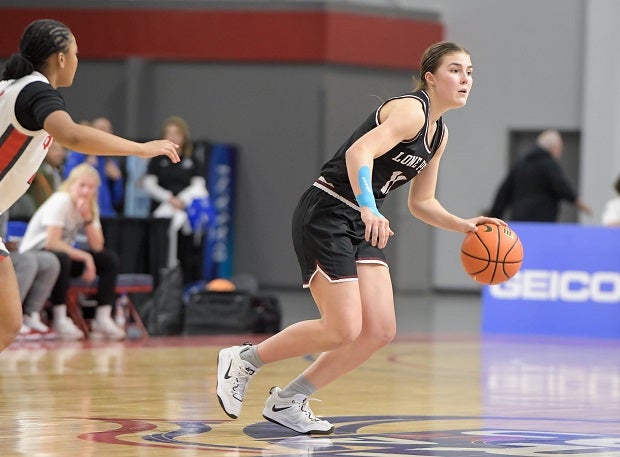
{"x":163,"y":313}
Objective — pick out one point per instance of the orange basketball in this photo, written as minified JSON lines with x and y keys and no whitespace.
{"x":220,"y":285}
{"x":491,"y":255}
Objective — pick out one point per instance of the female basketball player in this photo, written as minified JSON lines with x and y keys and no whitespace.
{"x":339,"y":234}
{"x":32,"y":114}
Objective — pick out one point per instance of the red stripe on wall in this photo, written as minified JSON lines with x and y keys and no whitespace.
{"x":242,"y":36}
{"x":387,"y":42}
{"x":11,"y":148}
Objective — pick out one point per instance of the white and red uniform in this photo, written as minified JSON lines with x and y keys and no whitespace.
{"x":21,"y":150}
{"x":25,"y":103}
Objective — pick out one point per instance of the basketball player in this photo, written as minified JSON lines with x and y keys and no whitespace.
{"x":32,"y":114}
{"x":339,"y":234}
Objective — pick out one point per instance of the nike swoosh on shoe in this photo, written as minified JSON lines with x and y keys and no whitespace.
{"x":227,"y":374}
{"x":277,"y":410}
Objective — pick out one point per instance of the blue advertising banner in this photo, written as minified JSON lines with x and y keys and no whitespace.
{"x":569,"y":284}
{"x":218,"y":253}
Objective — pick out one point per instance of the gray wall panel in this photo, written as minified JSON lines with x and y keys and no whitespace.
{"x":286,"y":119}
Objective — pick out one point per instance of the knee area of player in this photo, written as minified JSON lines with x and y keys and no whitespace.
{"x":344,"y":334}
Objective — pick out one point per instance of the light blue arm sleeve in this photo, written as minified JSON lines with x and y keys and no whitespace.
{"x":366,"y":198}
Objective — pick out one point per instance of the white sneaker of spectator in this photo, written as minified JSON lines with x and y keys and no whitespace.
{"x":103,"y":326}
{"x":66,"y":329}
{"x":34,"y":322}
{"x":27,"y":334}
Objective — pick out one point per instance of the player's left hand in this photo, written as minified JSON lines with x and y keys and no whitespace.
{"x":471,"y":225}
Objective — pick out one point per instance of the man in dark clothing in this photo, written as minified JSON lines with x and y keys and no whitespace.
{"x":536,"y":184}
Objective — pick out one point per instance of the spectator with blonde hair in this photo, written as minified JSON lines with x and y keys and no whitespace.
{"x":54,"y":227}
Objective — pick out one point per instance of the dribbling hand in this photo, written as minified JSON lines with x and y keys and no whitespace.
{"x":471,"y":225}
{"x":160,"y":148}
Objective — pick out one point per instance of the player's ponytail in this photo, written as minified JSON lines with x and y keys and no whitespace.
{"x":16,"y":67}
{"x":40,"y":39}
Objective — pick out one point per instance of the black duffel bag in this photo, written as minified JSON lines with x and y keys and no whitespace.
{"x":214,"y":313}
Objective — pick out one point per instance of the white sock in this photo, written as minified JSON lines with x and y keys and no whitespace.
{"x":103,"y":313}
{"x":59,"y":312}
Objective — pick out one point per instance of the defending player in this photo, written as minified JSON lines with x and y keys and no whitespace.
{"x":32,"y":115}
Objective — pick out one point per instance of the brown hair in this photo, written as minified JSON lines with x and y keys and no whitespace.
{"x":187,"y":147}
{"x":431,"y":60}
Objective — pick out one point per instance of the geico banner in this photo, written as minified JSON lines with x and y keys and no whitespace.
{"x":569,"y":284}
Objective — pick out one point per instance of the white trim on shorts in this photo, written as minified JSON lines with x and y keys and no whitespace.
{"x":326,"y":187}
{"x":334,"y":281}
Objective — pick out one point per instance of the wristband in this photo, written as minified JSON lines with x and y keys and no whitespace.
{"x":366,"y":198}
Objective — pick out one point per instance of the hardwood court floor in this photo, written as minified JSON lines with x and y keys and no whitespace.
{"x":429,"y":393}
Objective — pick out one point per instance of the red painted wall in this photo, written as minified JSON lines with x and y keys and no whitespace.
{"x":240,"y":36}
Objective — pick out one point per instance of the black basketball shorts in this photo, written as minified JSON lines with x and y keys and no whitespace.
{"x":328,"y":236}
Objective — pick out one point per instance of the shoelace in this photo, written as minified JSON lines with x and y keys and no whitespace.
{"x":305,"y":407}
{"x":242,"y":379}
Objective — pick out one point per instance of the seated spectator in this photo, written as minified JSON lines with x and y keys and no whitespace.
{"x":173,"y":189}
{"x":54,"y":227}
{"x":36,"y":273}
{"x":45,"y":182}
{"x":112,"y":190}
{"x":611,"y":213}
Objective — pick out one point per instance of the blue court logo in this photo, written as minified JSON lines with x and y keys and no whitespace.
{"x":369,"y":436}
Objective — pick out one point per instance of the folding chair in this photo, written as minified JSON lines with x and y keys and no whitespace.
{"x":126,"y":284}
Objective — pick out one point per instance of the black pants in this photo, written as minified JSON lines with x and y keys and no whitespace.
{"x":107,"y":265}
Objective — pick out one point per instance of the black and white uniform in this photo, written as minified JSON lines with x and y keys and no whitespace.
{"x":328,"y":231}
{"x":25,"y":103}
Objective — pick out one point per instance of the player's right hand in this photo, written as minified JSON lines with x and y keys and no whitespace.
{"x":378,"y":229}
{"x":160,"y":148}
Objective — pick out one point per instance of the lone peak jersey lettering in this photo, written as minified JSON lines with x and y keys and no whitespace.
{"x":396,"y":167}
{"x":21,"y":151}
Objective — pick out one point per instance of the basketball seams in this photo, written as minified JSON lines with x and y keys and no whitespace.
{"x":497,"y":246}
{"x":489,"y":260}
{"x":483,"y":244}
{"x":476,"y":258}
{"x":505,"y":263}
{"x":509,"y":250}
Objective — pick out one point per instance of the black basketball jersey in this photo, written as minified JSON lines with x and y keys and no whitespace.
{"x":396,"y":167}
